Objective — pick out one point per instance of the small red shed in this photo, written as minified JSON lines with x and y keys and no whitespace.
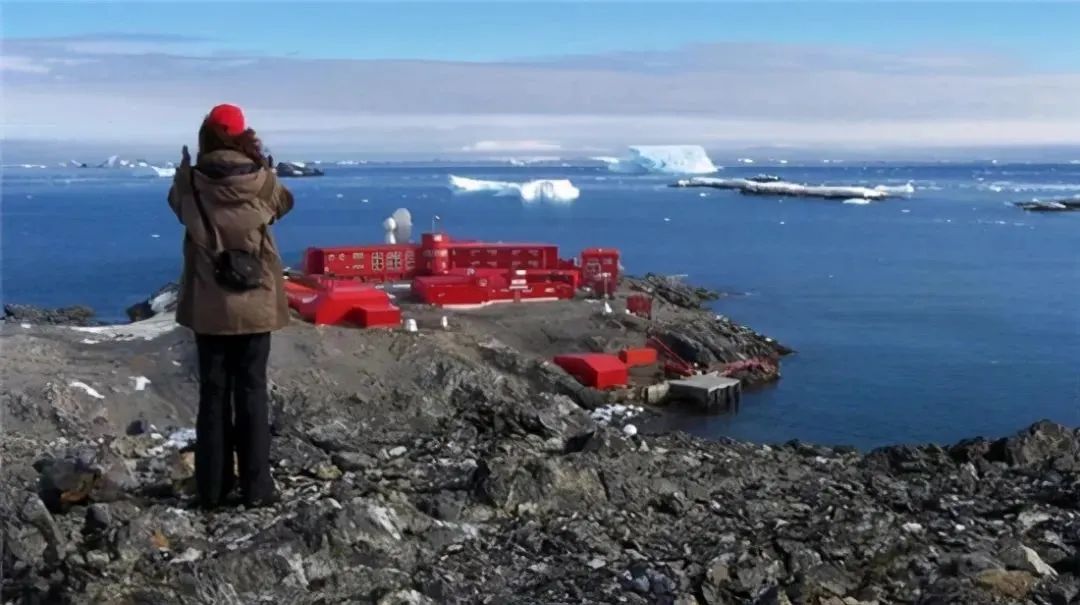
{"x":597,"y":370}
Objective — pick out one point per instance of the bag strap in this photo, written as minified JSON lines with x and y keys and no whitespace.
{"x":207,"y":225}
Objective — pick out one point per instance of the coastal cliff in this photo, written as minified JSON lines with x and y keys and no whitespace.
{"x":459,"y":466}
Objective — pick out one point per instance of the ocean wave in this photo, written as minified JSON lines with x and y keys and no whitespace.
{"x":550,"y":190}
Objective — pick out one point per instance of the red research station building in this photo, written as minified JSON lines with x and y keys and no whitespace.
{"x":444,"y":271}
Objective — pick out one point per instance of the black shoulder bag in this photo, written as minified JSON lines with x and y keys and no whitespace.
{"x":234,"y":269}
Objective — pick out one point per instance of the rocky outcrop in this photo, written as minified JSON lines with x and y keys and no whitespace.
{"x":77,"y":315}
{"x":673,"y":290}
{"x":535,"y":511}
{"x":161,"y":301}
{"x":296,"y":169}
{"x":448,"y":466}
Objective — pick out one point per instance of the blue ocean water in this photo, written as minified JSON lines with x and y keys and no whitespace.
{"x":942,"y":316}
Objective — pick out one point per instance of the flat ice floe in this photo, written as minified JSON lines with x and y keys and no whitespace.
{"x":840,"y":192}
{"x":550,"y":190}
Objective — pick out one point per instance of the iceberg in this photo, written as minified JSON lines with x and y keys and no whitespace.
{"x":164,"y":172}
{"x":550,"y":190}
{"x":662,"y":159}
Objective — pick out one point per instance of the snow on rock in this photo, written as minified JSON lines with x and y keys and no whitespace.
{"x":180,"y":439}
{"x":662,"y":159}
{"x":149,"y":329}
{"x":549,"y":190}
{"x":616,"y":411}
{"x":140,"y":382}
{"x":91,"y":391}
{"x":161,"y":302}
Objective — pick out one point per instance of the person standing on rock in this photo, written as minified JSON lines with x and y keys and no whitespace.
{"x":232,"y":296}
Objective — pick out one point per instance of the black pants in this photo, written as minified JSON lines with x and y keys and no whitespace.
{"x":233,"y":418}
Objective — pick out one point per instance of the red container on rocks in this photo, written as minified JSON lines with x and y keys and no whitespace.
{"x":597,"y":370}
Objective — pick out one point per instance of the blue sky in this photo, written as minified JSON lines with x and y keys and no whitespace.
{"x":544,"y":76}
{"x":1042,"y":34}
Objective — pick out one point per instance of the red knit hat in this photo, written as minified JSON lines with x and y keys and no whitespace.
{"x":229,"y":117}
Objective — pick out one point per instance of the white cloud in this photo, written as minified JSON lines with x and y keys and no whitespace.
{"x":22,"y":64}
{"x":512,"y":146}
{"x":707,"y":94}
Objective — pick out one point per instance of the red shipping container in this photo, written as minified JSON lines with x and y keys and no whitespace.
{"x":597,"y":370}
{"x":373,"y":315}
{"x":642,"y":356}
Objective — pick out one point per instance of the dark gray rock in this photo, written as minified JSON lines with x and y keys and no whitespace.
{"x":77,"y":315}
{"x":1044,"y":445}
{"x":163,"y":300}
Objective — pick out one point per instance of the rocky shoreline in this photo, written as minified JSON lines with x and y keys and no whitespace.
{"x":457,"y":466}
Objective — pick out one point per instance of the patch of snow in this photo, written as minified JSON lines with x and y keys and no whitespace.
{"x":89,"y":390}
{"x":25,"y":326}
{"x":140,"y":382}
{"x":180,"y":439}
{"x":609,"y":413}
{"x":166,"y":172}
{"x":149,"y":329}
{"x":159,"y":303}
